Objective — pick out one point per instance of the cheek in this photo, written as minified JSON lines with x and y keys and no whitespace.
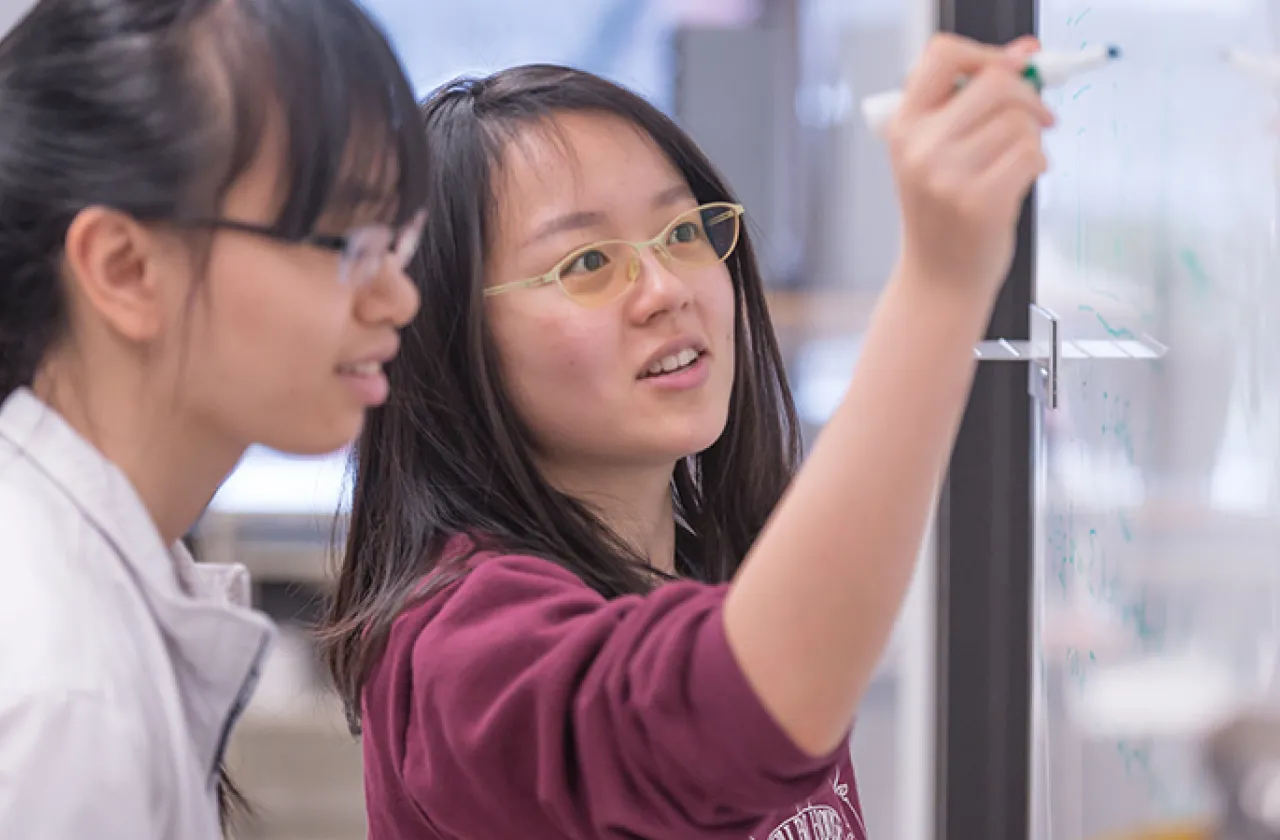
{"x":719,"y":310}
{"x":719,"y":305}
{"x":557,"y":369}
{"x":269,"y":327}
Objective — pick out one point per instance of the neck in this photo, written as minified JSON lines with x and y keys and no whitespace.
{"x":634,"y":502}
{"x":173,"y":468}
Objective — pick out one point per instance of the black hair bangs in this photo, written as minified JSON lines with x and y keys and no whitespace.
{"x":351,"y":144}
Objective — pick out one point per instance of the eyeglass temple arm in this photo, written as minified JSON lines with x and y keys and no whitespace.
{"x":544,"y":280}
{"x":737,"y":210}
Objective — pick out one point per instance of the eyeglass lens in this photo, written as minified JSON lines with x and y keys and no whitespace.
{"x":598,"y":273}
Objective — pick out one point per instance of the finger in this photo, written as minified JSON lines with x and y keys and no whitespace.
{"x":1023,"y":46}
{"x":989,"y":142}
{"x":946,"y":60}
{"x":1007,"y":181}
{"x":993,"y":91}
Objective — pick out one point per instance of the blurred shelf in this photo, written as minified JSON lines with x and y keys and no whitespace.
{"x":301,"y":771}
{"x":274,"y":547}
{"x":1165,"y":542}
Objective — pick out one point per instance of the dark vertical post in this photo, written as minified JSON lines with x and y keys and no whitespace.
{"x":985,"y":534}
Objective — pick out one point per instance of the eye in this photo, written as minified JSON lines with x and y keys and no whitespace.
{"x":587,"y":261}
{"x":684,"y":233}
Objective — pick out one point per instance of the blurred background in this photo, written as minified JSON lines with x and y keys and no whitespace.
{"x":769,"y":89}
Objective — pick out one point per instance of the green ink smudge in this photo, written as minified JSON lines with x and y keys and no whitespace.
{"x":1126,"y":529}
{"x":1114,"y":332}
{"x":1199,"y":279}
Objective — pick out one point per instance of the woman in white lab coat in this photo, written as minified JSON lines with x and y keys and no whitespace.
{"x":206,"y":208}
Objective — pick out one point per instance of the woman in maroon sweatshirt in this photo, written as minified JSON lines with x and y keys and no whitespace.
{"x":575,"y":602}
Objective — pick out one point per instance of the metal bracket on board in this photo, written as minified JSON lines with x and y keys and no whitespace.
{"x":1042,"y":351}
{"x":1046,"y":351}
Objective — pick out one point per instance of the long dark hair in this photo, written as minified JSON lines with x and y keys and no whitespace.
{"x":449,"y":455}
{"x":156,"y":107}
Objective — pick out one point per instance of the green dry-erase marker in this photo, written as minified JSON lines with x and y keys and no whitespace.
{"x":1044,"y":69}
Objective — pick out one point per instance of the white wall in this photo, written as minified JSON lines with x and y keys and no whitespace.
{"x":917,"y":704}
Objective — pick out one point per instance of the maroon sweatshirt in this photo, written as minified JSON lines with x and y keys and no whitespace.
{"x":518,"y":703}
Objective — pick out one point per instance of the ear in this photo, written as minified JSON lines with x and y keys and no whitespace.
{"x":115,"y":264}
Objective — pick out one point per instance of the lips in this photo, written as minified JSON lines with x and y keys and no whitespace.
{"x":361,"y":368}
{"x":673,"y":357}
{"x":672,"y":362}
{"x":372,"y":361}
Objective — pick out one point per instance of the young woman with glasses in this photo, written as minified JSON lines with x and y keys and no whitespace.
{"x":206,"y":210}
{"x":586,"y":592}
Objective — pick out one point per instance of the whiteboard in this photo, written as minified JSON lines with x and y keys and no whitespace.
{"x":1158,"y":473}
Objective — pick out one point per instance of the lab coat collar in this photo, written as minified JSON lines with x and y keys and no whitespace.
{"x":217,"y":644}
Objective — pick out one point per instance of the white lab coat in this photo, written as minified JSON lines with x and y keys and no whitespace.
{"x":123,"y":664}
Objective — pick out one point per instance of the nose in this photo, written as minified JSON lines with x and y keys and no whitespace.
{"x":658,"y":288}
{"x":389,"y":297}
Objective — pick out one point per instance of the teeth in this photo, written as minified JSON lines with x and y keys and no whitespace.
{"x":667,"y":364}
{"x":362,"y":369}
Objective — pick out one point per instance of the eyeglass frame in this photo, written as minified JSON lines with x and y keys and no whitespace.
{"x":656,"y":243}
{"x":328,"y":242}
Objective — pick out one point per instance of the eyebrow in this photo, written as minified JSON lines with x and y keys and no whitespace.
{"x":582,"y":220}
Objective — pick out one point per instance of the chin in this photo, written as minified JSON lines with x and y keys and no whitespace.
{"x":697,"y":440}
{"x":315,"y":439}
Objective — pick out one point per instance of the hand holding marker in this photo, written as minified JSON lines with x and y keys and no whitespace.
{"x":1044,"y":69}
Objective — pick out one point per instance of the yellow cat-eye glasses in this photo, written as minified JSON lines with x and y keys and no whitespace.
{"x":601,"y":272}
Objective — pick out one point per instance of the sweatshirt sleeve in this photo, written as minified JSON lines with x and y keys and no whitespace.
{"x":535,"y":700}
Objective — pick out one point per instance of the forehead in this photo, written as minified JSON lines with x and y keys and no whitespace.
{"x":574,"y":162}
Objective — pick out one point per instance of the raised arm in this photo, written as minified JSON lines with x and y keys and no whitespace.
{"x":812,"y":609}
